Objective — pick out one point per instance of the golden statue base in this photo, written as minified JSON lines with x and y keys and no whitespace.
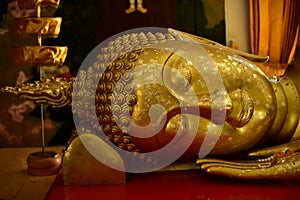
{"x":43,"y":163}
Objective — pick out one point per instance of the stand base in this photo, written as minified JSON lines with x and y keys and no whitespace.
{"x":43,"y":163}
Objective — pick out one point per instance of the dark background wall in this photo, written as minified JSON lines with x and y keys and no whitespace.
{"x":113,"y":18}
{"x":87,"y":23}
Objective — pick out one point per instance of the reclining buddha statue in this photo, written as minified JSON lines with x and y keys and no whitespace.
{"x":148,"y":101}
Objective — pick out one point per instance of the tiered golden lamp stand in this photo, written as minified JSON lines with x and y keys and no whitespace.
{"x":43,"y":162}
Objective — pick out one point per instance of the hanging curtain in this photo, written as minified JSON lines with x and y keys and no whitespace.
{"x":274,"y":30}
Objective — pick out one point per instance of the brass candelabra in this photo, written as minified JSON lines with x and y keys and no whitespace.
{"x":40,"y":26}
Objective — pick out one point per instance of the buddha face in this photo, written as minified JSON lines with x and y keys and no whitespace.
{"x":189,"y":100}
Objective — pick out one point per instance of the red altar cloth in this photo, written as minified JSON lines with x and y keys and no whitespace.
{"x":178,"y":185}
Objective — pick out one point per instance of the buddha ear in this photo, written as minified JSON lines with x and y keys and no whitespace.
{"x":204,"y":41}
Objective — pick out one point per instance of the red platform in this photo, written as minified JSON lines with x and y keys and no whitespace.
{"x":181,"y":185}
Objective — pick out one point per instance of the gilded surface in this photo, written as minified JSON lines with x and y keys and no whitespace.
{"x":46,"y":26}
{"x":54,"y":92}
{"x":31,"y":56}
{"x":260,"y":112}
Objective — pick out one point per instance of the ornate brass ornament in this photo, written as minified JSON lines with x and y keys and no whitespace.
{"x":31,"y":56}
{"x":46,"y":26}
